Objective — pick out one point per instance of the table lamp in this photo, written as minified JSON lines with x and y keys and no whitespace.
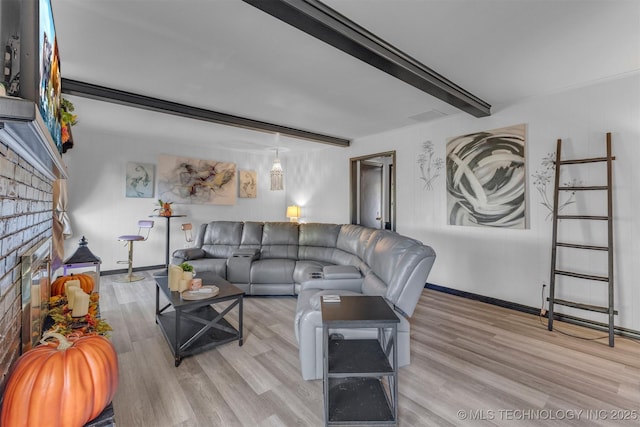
{"x":293,"y":213}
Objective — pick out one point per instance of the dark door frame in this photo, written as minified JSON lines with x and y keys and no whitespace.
{"x":389,"y":196}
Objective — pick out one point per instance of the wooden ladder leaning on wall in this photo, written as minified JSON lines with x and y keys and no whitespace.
{"x":609,"y":307}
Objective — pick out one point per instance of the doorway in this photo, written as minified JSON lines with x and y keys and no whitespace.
{"x":373,"y":201}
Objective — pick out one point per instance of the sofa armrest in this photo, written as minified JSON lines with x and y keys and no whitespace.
{"x":333,"y":272}
{"x":335,"y":277}
{"x":239,"y":265}
{"x":246,"y":253}
{"x":189,"y":254}
{"x":354,"y":285}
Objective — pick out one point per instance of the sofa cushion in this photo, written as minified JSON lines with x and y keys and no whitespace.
{"x":275,"y":271}
{"x":340,"y":257}
{"x":316,"y":234}
{"x":212,"y":265}
{"x":372,"y":285}
{"x":353,"y":239}
{"x":316,"y":253}
{"x":251,"y":235}
{"x":280,"y":240}
{"x":221,"y":238}
{"x":318,"y":241}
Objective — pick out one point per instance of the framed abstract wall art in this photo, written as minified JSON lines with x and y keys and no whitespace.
{"x":139,"y":180}
{"x":196,"y":181}
{"x":248,"y":184}
{"x":486,"y":178}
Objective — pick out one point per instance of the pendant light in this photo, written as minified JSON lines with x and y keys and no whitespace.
{"x":277,"y":174}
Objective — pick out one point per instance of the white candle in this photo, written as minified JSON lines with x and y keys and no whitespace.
{"x":71,"y":296}
{"x":71,"y":284}
{"x":184,"y":285}
{"x":80,"y":304}
{"x":175,"y":274}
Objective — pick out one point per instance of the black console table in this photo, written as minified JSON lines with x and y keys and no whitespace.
{"x":165,"y":272}
{"x":360,"y":376}
{"x":195,"y":325}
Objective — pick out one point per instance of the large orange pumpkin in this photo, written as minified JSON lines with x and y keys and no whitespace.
{"x":86,"y":283}
{"x":61,"y":385}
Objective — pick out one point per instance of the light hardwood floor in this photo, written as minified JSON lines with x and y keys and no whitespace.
{"x":471,"y":364}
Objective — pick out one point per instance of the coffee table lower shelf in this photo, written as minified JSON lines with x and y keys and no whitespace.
{"x":191,"y":324}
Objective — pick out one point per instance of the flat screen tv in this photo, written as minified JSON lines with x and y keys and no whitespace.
{"x":40,"y":79}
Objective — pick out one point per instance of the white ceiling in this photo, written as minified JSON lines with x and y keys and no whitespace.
{"x":228,"y":56}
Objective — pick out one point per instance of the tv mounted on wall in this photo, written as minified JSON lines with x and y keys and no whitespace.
{"x":40,"y":79}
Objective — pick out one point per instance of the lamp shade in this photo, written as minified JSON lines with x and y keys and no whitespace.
{"x":293,"y":211}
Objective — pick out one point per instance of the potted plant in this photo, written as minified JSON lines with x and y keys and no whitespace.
{"x":67,"y":119}
{"x":165,"y":208}
{"x":185,"y":266}
{"x":187,"y":271}
{"x":187,"y":276}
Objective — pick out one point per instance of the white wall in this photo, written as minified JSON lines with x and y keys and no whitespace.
{"x":319,"y":183}
{"x":505,"y":264}
{"x":510,"y":264}
{"x":100,"y":211}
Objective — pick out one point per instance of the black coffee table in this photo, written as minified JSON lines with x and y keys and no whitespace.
{"x":195,"y":325}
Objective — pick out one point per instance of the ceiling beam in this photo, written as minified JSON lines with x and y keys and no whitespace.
{"x":101,"y":93}
{"x":319,"y":20}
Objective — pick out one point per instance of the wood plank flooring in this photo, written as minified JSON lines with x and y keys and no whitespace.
{"x":471,"y":364}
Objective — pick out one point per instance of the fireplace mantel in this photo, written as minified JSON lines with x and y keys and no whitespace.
{"x":24,"y":131}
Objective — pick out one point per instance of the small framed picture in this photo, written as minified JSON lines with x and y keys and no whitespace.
{"x":248,"y":184}
{"x":140,"y":179}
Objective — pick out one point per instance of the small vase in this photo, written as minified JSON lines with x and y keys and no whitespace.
{"x":166,"y":210}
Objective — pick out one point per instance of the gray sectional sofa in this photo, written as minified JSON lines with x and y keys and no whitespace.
{"x":309,"y":260}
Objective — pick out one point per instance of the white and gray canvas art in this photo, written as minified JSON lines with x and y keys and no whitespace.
{"x":486,"y":178}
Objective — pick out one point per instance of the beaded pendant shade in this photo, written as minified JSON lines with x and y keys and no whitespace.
{"x":277,"y":174}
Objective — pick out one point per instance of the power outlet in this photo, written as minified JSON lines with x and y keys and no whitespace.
{"x":543,"y":312}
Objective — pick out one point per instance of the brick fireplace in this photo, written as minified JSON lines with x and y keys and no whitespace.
{"x":30,"y":165}
{"x":26,"y":217}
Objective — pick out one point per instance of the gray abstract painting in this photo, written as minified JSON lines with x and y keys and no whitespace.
{"x":486,"y":178}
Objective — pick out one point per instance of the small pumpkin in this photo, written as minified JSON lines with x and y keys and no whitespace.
{"x":63,"y":384}
{"x":86,"y":283}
